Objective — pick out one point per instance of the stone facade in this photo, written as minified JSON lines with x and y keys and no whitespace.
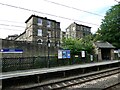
{"x":39,"y":29}
{"x":62,"y":35}
{"x":77,"y":31}
{"x":29,"y":49}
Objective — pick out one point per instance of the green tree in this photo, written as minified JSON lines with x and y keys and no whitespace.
{"x":74,"y":45}
{"x":110,"y":27}
{"x":88,"y":43}
{"x":77,"y":45}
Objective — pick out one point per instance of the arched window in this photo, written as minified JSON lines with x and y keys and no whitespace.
{"x":39,"y":41}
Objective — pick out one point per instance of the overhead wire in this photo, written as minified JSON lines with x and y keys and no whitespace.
{"x":11,"y":29}
{"x":46,"y":14}
{"x":73,"y":8}
{"x":12,"y":21}
{"x":11,"y":25}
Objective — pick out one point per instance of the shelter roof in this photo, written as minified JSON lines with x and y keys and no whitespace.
{"x":101,"y":44}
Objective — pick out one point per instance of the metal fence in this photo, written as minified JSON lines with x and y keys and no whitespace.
{"x":23,"y":63}
{"x":11,"y":64}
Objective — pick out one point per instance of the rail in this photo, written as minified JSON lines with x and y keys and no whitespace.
{"x":67,"y":82}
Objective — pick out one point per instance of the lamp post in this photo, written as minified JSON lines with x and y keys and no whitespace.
{"x":58,"y":45}
{"x":48,"y":44}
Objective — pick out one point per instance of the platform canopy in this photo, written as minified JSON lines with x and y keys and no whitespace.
{"x":101,"y":44}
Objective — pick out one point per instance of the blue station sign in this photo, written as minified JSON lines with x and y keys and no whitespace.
{"x":11,"y":50}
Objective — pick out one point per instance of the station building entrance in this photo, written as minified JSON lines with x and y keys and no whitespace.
{"x":106,"y":54}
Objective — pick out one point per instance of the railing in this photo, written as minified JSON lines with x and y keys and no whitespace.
{"x":23,"y":63}
{"x":11,"y":64}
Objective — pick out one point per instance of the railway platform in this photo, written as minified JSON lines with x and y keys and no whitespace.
{"x":14,"y":74}
{"x":38,"y":75}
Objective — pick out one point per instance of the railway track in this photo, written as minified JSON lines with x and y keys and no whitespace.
{"x":71,"y":81}
{"x":113,"y":87}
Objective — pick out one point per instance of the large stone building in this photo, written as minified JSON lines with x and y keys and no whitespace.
{"x":75,"y":30}
{"x":41,"y":29}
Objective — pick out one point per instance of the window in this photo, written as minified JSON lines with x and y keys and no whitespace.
{"x":29,"y":33}
{"x":39,"y":32}
{"x":39,"y":21}
{"x":84,"y":29}
{"x":49,"y":32}
{"x":67,"y":30}
{"x":88,"y":29}
{"x":39,"y":41}
{"x":48,"y":23}
{"x":83,"y":33}
{"x":81,"y":28}
{"x":73,"y":35}
{"x":67,"y":35}
{"x":58,"y":25}
{"x":56,"y":34}
{"x":53,"y":34}
{"x":73,"y":28}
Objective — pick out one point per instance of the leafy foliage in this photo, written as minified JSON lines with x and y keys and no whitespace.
{"x":110,"y":27}
{"x":77,"y":45}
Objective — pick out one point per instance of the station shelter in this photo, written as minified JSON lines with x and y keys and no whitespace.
{"x":104,"y":50}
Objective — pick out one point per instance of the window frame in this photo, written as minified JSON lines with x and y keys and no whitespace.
{"x":48,"y":23}
{"x":39,"y":23}
{"x":39,"y":30}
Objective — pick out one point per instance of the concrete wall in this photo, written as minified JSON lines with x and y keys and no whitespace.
{"x":99,"y":55}
{"x":112,"y":54}
{"x":30,"y":49}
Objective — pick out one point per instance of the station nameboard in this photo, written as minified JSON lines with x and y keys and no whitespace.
{"x":62,"y":54}
{"x":11,"y":51}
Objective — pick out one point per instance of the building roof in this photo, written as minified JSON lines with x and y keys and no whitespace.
{"x":81,"y":25}
{"x":20,"y":35}
{"x":78,"y":25}
{"x":101,"y":44}
{"x":12,"y":37}
{"x":40,"y":17}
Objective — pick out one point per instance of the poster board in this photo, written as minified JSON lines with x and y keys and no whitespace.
{"x":62,"y":54}
{"x":83,"y":54}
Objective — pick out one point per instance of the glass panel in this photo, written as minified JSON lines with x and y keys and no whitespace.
{"x":39,"y":32}
{"x":48,"y":23}
{"x":73,"y":28}
{"x":39,"y":21}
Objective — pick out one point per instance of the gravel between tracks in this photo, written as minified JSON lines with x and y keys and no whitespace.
{"x":98,"y":84}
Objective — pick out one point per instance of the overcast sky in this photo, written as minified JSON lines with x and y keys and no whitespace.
{"x":11,"y":18}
